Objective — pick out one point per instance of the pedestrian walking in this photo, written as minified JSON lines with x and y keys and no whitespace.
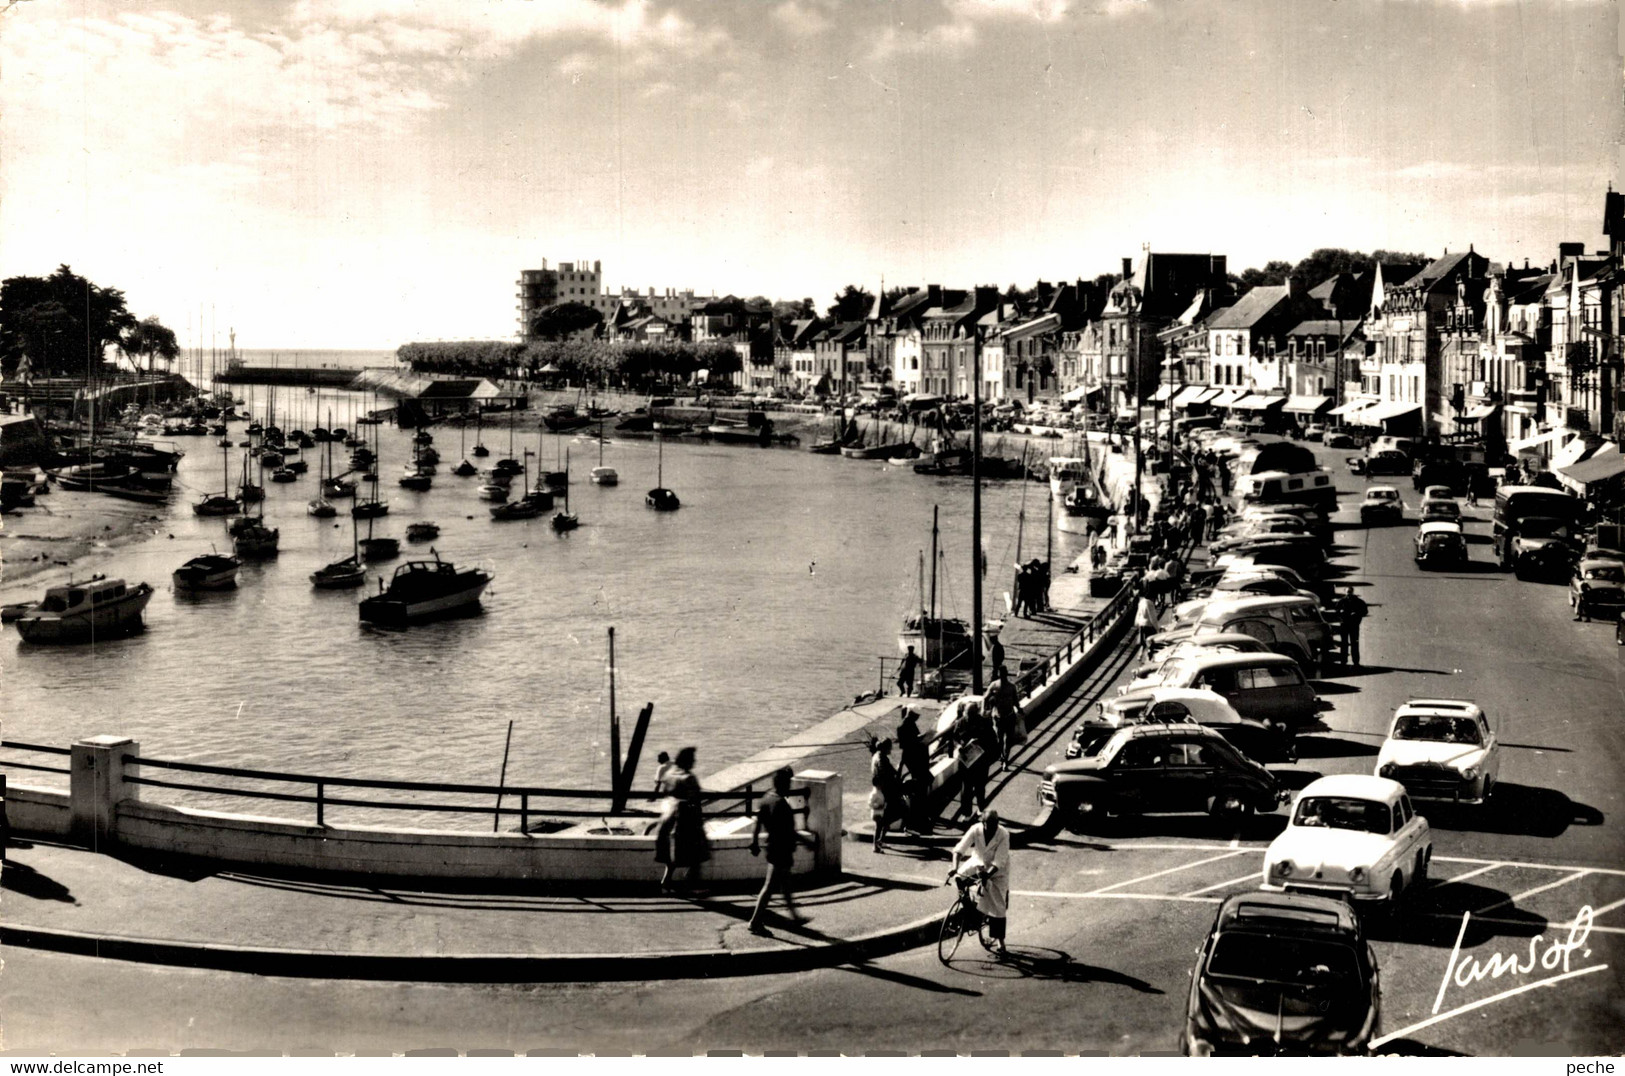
{"x":685,"y":845}
{"x":916,"y":768}
{"x":978,"y":747}
{"x":1001,"y":694}
{"x":1145,"y":619}
{"x":885,"y":791}
{"x":1472,"y":493}
{"x":1041,"y":584}
{"x":776,"y":819}
{"x":984,"y":851}
{"x":1097,"y":556}
{"x":1351,"y":611}
{"x":995,"y":654}
{"x":1024,"y":587}
{"x":905,"y":672}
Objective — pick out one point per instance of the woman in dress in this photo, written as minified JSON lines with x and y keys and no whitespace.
{"x":684,"y":844}
{"x":885,"y":792}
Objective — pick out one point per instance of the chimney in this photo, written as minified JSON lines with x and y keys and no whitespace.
{"x":1565,"y":251}
{"x":1128,"y":268}
{"x":598,"y":267}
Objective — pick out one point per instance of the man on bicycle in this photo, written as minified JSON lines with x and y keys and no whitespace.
{"x":985,"y":848}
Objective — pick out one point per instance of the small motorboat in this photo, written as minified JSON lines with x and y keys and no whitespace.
{"x":521,"y":509}
{"x":283,"y":474}
{"x":466,"y":470}
{"x":423,"y":590}
{"x":210,"y":571}
{"x":296,"y":466}
{"x":494,"y":491}
{"x":662,"y":500}
{"x":337,"y":488}
{"x":89,"y":611}
{"x":416,"y":481}
{"x":321,"y":509}
{"x":604,"y":476}
{"x":422,"y":531}
{"x":256,"y":540}
{"x":217,"y":504}
{"x":508,"y":466}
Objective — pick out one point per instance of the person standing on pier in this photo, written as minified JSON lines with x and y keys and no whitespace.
{"x":885,"y":791}
{"x":1001,"y":694}
{"x":685,"y":845}
{"x":1145,"y":619}
{"x":905,"y":672}
{"x":1038,"y":599}
{"x":777,"y":819}
{"x":995,"y":654}
{"x":917,"y":767}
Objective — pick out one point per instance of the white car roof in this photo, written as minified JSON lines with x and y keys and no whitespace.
{"x":1355,"y":786}
{"x":1440,"y":526}
{"x":1369,"y":490}
{"x":1450,"y":707}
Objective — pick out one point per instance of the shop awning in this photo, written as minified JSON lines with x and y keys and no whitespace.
{"x":1351,"y":407}
{"x":1598,"y":469}
{"x":1259,"y":402}
{"x":1208,"y":396}
{"x":1483,"y":411}
{"x":1306,"y":405}
{"x":1228,"y":397}
{"x":1163,"y":393}
{"x":1079,"y":393}
{"x":1382,"y":412}
{"x":1537,"y":442}
{"x":1190,"y":394}
{"x":1570,"y":454}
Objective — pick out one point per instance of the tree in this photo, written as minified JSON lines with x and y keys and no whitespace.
{"x":149,"y":339}
{"x":63,"y":322}
{"x":563,"y":320}
{"x":1274,"y":273}
{"x":852,"y":304}
{"x":793,"y":310}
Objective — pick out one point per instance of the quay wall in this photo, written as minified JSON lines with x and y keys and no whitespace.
{"x":42,"y":812}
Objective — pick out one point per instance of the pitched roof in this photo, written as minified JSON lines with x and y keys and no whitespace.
{"x":1251,"y":308}
{"x":1322,"y":327}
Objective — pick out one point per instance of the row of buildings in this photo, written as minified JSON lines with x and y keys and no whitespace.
{"x":1457,"y":348}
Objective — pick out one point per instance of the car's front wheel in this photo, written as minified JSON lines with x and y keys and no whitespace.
{"x":1230,"y":806}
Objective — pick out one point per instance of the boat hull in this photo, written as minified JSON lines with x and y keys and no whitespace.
{"x":109,"y":620}
{"x":392,"y":612}
{"x":940,"y":643}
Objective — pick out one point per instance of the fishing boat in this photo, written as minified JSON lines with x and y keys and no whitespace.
{"x":95,"y":609}
{"x":422,"y":531}
{"x":565,"y":520}
{"x":660,"y":498}
{"x":601,"y":475}
{"x":424,"y":590}
{"x":1080,"y":505}
{"x":255,"y":540}
{"x":939,"y":641}
{"x":740,"y":433}
{"x":209,"y":571}
{"x":219,"y":504}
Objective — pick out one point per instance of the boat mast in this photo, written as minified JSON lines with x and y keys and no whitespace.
{"x":1021,"y":525}
{"x":934,"y":510}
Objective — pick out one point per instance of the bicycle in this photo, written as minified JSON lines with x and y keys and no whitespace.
{"x":963,"y":917}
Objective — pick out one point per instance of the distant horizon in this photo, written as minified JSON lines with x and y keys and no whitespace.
{"x":368,"y":173}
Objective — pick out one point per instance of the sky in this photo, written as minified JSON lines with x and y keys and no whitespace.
{"x":364,"y":173}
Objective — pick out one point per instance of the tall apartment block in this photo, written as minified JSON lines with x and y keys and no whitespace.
{"x":571,"y":282}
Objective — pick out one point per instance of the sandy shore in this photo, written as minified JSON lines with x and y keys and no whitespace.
{"x":65,"y":531}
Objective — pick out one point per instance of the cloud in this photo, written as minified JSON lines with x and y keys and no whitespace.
{"x":948,"y":37}
{"x":1036,"y":10}
{"x":803,"y":20}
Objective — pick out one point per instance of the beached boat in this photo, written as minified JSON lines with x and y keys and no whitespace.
{"x":740,"y":433}
{"x":210,"y":571}
{"x":133,"y":489}
{"x":424,"y":590}
{"x":96,"y":609}
{"x":422,"y":531}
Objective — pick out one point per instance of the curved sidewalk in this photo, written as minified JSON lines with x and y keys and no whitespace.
{"x":70,"y":900}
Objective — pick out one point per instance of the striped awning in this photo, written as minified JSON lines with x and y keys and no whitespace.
{"x":1307,"y":405}
{"x":1259,"y":402}
{"x":1382,"y":412}
{"x":1163,"y":392}
{"x":1228,"y":397}
{"x":1538,"y":441}
{"x":1190,"y":394}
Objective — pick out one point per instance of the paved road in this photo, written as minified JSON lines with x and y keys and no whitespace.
{"x":1103,"y":927}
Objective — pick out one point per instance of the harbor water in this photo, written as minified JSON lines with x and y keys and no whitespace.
{"x":760,"y":608}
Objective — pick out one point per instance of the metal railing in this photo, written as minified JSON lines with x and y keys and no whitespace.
{"x":43,"y":749}
{"x":1100,"y":623}
{"x":737,"y":803}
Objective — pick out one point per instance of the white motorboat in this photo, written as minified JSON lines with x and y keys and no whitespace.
{"x":98,"y":608}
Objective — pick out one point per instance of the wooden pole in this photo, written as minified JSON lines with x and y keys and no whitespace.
{"x":496,"y":819}
{"x":633,"y":750}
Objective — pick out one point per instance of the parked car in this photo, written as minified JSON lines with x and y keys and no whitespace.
{"x":1149,"y":674}
{"x":1437,"y":493}
{"x":1315,"y":431}
{"x":1258,"y":740}
{"x":1440,"y":544}
{"x":1282,"y":973}
{"x":1598,"y":588}
{"x":1339,"y":439}
{"x":1238,"y":533}
{"x":1441,"y":749}
{"x":1303,"y":553}
{"x":1381,"y":505}
{"x":1352,"y":836}
{"x":1157,"y":769}
{"x":1238,"y":585}
{"x":1265,"y":687}
{"x":1294,"y":630}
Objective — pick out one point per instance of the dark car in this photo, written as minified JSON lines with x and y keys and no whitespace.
{"x":1340,"y":439}
{"x":1258,"y":740}
{"x":1440,"y":543}
{"x":1598,"y":588}
{"x":1283,"y":973}
{"x":1452,"y":473}
{"x":1157,"y":769}
{"x":1387,"y":462}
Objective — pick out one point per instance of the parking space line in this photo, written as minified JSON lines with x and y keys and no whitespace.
{"x":1472,"y":874}
{"x":1531,"y":866}
{"x":1172,"y":870}
{"x":1100,"y":895}
{"x":1598,"y":912}
{"x":1250,"y":876}
{"x":1514,"y":899}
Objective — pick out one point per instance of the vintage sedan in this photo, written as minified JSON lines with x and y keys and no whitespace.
{"x":1260,"y":740}
{"x":1437,"y":510}
{"x":1266,"y":687}
{"x":1351,"y":836}
{"x":1598,"y":588}
{"x":1155,"y":769}
{"x":1441,"y":749}
{"x":1440,"y":544}
{"x":1150,"y":673}
{"x":1282,"y":973}
{"x":1381,"y":505}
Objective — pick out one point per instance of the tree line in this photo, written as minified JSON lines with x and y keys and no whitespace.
{"x":631,"y":366}
{"x":62,"y":325}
